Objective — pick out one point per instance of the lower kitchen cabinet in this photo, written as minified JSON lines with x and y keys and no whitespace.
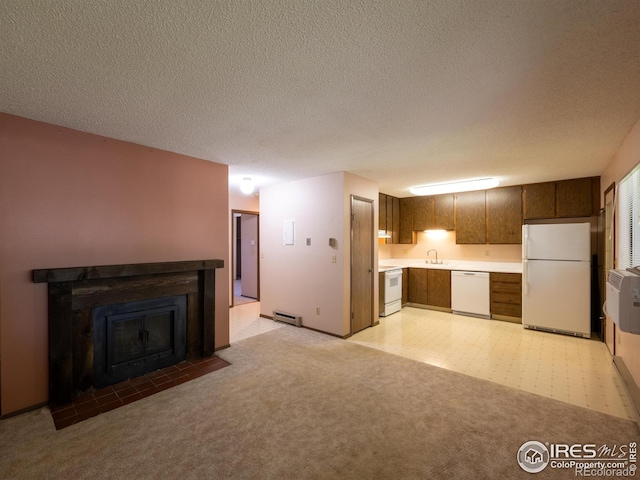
{"x":405,"y":285}
{"x":430,"y":287}
{"x":506,"y":295}
{"x":418,"y":285}
{"x":439,"y":288}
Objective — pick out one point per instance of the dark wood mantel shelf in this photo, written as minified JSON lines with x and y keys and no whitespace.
{"x":128,"y":270}
{"x":75,"y":292}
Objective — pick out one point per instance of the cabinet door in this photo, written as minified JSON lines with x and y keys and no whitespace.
{"x":573,"y":198}
{"x":418,"y":282}
{"x":382,"y":211}
{"x":422,"y":213}
{"x":395,"y":219}
{"x":471,"y":218}
{"x":439,"y":291}
{"x":389,"y":221}
{"x":443,"y":212}
{"x":504,"y":215}
{"x":405,"y":285}
{"x":506,"y":294}
{"x":540,"y":200}
{"x":406,"y":221}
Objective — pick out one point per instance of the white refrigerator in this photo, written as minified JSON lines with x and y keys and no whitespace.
{"x":556,"y":278}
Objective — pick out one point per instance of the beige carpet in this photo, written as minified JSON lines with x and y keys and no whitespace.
{"x":296,"y":404}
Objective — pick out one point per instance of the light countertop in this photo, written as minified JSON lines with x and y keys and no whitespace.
{"x":465,"y":265}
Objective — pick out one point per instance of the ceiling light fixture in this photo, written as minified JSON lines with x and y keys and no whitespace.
{"x":454,"y":187}
{"x":246,"y":186}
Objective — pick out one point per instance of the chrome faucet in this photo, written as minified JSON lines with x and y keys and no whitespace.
{"x":433,"y":250}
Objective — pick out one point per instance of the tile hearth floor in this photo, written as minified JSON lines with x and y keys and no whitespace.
{"x":129,"y":391}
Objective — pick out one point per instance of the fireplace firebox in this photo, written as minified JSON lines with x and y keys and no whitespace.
{"x":135,"y":338}
{"x":110,"y":323}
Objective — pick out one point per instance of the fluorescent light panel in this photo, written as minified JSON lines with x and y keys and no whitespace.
{"x":453,"y":187}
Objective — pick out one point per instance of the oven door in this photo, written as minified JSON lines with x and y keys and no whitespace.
{"x":393,"y":286}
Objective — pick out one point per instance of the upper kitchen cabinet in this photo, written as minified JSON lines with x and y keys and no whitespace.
{"x":391,"y":219}
{"x":406,"y":235}
{"x":382,"y":211}
{"x":579,"y":197}
{"x":443,"y":216}
{"x":471,"y":218}
{"x":539,"y":200}
{"x":393,"y":223}
{"x":422,"y":213}
{"x":504,"y":215}
{"x":574,"y":198}
{"x":433,"y":213}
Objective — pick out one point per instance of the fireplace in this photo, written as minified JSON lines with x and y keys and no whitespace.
{"x":134,"y":338}
{"x":110,"y":323}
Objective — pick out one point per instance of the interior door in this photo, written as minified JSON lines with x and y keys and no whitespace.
{"x":362,"y":238}
{"x":249,"y":249}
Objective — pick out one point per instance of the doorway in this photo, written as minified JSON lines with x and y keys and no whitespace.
{"x":245,"y":270}
{"x":362,"y":250}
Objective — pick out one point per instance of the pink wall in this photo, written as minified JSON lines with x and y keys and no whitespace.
{"x":69,"y":198}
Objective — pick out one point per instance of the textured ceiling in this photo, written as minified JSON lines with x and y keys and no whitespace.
{"x":401,"y":92}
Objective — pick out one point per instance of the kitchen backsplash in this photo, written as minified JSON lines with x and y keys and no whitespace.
{"x":445,"y":244}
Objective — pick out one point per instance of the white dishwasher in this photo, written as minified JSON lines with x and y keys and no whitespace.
{"x":470,"y":293}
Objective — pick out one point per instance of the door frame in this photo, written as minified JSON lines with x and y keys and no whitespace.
{"x":351,"y":273}
{"x":234,"y":252}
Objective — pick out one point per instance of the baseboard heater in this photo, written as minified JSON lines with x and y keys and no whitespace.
{"x":287,"y":318}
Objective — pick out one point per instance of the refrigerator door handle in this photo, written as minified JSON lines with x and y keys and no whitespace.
{"x":525,"y":241}
{"x":525,"y":277}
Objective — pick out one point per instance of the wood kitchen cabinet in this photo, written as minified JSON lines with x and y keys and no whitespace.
{"x":443,"y":212}
{"x":405,"y":286}
{"x":471,"y":218}
{"x":418,"y":285}
{"x":504,"y":215}
{"x":422,"y":213}
{"x":578,"y":197}
{"x":506,"y":296}
{"x":394,"y":221}
{"x":439,"y":288}
{"x":382,"y":211}
{"x":430,"y":287}
{"x":573,"y":198}
{"x":433,"y":213}
{"x":406,"y":233}
{"x":539,"y":200}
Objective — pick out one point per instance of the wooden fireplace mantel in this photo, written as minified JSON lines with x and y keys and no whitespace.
{"x":75,"y":292}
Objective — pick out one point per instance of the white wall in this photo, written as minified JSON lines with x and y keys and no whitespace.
{"x":300,"y":278}
{"x":627,"y":156}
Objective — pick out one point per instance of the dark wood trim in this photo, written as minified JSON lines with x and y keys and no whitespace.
{"x":114,"y":271}
{"x":266,"y":316}
{"x":23,"y":410}
{"x":223,"y":347}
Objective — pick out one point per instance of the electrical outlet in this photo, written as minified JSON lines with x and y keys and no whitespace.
{"x":317,"y":310}
{"x":334,"y":258}
{"x":486,"y":253}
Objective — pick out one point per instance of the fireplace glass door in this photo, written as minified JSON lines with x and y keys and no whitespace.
{"x":135,"y":338}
